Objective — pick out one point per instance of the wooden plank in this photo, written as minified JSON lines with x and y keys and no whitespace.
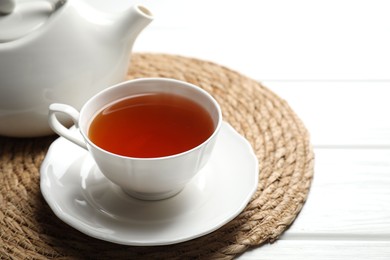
{"x":347,"y":214}
{"x":349,"y":197}
{"x":320,"y":250}
{"x":281,"y":39}
{"x":340,"y":113}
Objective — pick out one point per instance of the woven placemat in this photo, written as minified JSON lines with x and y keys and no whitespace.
{"x":29,"y":229}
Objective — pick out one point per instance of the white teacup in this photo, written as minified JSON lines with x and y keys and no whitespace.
{"x":143,"y":178}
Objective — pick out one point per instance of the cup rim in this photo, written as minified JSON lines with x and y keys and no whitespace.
{"x":150,"y":79}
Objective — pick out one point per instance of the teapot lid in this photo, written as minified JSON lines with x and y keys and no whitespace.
{"x":21,"y":17}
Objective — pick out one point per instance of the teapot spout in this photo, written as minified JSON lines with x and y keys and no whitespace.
{"x":133,"y":21}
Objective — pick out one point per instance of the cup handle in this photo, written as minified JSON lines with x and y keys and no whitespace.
{"x":59,"y":128}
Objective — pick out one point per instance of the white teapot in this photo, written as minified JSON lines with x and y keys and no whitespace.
{"x":59,"y":51}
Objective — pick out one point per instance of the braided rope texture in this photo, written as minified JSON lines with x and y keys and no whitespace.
{"x":30,"y":230}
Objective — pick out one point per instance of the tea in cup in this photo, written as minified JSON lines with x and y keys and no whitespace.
{"x":149,"y":136}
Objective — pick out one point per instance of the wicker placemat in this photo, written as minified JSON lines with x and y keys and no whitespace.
{"x":29,"y":229}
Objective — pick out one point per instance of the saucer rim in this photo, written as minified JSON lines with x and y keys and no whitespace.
{"x":71,"y":220}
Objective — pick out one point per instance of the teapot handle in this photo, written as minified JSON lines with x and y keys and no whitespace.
{"x":59,"y":128}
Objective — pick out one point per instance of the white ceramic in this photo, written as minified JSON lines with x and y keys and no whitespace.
{"x":59,"y":51}
{"x":82,"y":197}
{"x":144,"y":178}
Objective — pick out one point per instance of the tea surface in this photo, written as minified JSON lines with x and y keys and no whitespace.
{"x":151,"y":125}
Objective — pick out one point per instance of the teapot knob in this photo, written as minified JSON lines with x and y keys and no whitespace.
{"x":6,"y":6}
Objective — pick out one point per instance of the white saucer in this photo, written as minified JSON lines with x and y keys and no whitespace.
{"x":82,"y":197}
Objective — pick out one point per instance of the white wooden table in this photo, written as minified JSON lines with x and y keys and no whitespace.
{"x":331,"y":61}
